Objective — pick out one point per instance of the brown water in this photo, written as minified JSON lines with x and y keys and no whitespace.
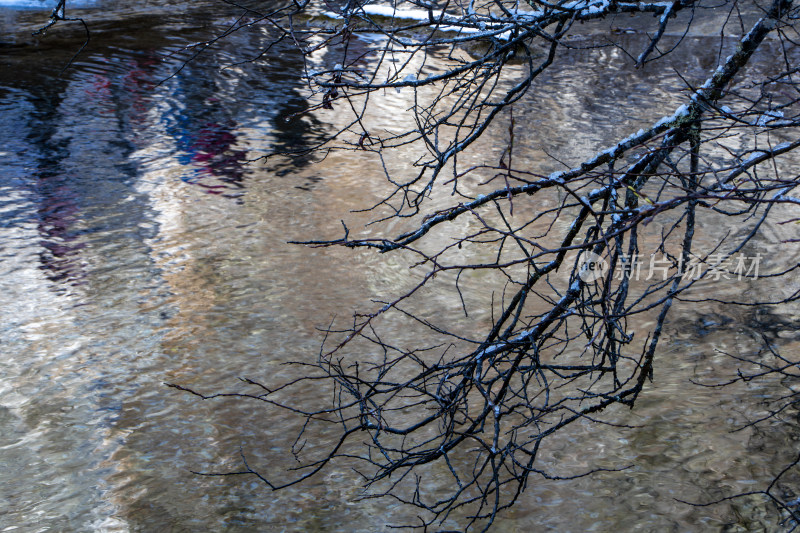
{"x":139,"y":247}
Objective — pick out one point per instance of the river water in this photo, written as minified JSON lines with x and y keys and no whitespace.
{"x":139,"y":246}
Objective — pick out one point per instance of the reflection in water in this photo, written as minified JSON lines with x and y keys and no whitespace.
{"x":56,"y":193}
{"x":204,"y":136}
{"x":212,"y":149}
{"x":118,"y":273}
{"x":57,"y":214}
{"x":97,"y":278}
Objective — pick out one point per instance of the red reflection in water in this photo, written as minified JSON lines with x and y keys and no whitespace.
{"x":57,"y":213}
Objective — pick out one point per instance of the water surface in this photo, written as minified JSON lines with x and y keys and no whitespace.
{"x":140,"y":246}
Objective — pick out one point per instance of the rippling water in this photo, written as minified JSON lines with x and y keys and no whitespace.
{"x":139,"y":246}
